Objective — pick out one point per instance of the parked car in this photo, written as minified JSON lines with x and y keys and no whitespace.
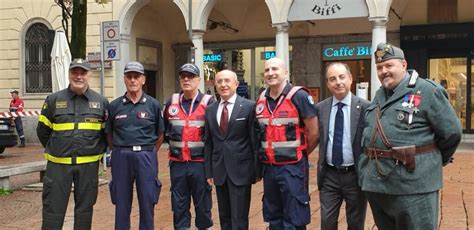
{"x":7,"y":134}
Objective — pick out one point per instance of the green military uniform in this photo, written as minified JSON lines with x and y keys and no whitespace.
{"x":418,"y":113}
{"x":70,"y":128}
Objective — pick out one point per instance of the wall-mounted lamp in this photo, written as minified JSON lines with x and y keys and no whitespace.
{"x":224,"y":25}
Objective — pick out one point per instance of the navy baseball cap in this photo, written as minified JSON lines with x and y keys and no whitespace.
{"x":134,"y":67}
{"x":190,"y":68}
{"x":80,"y":63}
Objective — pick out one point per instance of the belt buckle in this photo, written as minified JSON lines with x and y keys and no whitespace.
{"x":342,"y":169}
{"x":137,"y":148}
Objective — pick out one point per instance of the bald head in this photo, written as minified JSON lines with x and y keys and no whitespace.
{"x":226,"y":84}
{"x":278,"y":62}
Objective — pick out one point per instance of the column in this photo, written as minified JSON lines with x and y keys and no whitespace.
{"x":379,"y":35}
{"x":282,"y":43}
{"x":198,"y":55}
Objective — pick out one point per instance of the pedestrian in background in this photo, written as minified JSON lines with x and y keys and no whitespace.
{"x":184,"y":124}
{"x":134,"y":134}
{"x":288,"y":133}
{"x":341,"y":121}
{"x":70,"y":128}
{"x":17,"y":105}
{"x":411,"y":133}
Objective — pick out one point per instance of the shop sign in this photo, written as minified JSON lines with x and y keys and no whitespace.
{"x":212,"y":57}
{"x":302,"y":10}
{"x":265,"y":55}
{"x":347,"y":51}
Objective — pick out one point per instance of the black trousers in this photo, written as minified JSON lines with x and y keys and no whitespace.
{"x":341,"y":186}
{"x":234,"y":203}
{"x":57,"y":183}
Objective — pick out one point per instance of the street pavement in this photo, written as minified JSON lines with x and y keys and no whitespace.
{"x":22,"y":209}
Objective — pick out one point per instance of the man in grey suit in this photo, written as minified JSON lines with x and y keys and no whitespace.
{"x":231,"y":151}
{"x":341,"y":121}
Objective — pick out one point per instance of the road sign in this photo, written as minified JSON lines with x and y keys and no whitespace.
{"x":111,"y":40}
{"x":112,"y":51}
{"x":110,"y":31}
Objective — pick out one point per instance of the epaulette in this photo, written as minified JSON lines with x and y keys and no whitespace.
{"x":413,"y":78}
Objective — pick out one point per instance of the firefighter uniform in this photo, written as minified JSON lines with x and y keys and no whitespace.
{"x":71,"y":129}
{"x":283,"y":151}
{"x":184,"y":122}
{"x":135,"y":129}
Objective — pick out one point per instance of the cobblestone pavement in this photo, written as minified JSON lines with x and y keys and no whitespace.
{"x":22,"y":209}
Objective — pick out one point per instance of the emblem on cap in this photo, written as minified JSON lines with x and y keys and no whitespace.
{"x":379,"y":55}
{"x":173,"y":110}
{"x":259,"y":108}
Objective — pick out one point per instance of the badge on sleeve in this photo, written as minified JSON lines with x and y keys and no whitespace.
{"x":173,"y":110}
{"x":142,"y":115}
{"x":310,"y":99}
{"x":259,"y":108}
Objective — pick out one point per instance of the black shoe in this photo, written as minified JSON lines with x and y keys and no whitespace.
{"x":21,"y":145}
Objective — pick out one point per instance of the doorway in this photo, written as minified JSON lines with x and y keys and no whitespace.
{"x":150,"y":83}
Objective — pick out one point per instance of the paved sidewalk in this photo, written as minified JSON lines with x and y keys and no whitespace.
{"x":22,"y":209}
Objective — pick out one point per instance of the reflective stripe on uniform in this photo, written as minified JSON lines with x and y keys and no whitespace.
{"x":68,"y":160}
{"x":191,"y":144}
{"x":63,"y":126}
{"x":278,"y":121}
{"x":81,"y":125}
{"x":284,"y":121}
{"x":191,"y":123}
{"x":43,"y":119}
{"x":264,"y":121}
{"x":281,"y":144}
{"x":88,"y":125}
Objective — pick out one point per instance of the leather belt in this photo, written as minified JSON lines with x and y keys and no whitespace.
{"x":389,"y":153}
{"x":342,"y":169}
{"x":136,"y":148}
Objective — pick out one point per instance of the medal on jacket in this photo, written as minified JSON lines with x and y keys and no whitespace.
{"x":412,"y":102}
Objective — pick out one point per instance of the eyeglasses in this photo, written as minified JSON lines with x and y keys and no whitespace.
{"x":184,"y":76}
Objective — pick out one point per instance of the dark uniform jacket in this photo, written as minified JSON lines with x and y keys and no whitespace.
{"x":433,"y":121}
{"x":72,"y":125}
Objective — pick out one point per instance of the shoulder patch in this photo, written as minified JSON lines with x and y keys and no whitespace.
{"x":310,"y":99}
{"x":259,"y":108}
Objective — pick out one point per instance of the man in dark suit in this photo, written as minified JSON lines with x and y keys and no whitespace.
{"x":341,"y":121}
{"x":231,"y":147}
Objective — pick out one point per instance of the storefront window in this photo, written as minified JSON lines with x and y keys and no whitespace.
{"x":472,"y":95}
{"x":451,"y":74}
{"x":248,"y":63}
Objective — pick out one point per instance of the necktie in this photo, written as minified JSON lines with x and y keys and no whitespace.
{"x":338,"y":135}
{"x":224,"y":118}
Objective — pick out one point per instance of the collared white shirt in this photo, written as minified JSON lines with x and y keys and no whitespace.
{"x":230,"y":106}
{"x":347,"y":155}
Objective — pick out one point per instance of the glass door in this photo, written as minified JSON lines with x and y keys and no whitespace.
{"x":453,"y":75}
